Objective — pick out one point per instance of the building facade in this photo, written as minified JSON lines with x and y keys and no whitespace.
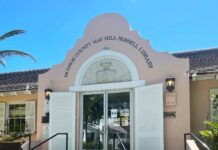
{"x":18,"y":101}
{"x":113,"y":82}
{"x":111,"y":93}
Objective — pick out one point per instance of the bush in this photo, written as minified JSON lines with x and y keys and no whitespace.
{"x":211,"y":134}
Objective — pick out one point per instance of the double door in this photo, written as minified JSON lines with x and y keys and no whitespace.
{"x":105,"y":123}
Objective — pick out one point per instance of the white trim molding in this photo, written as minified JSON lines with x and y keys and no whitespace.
{"x":106,"y":54}
{"x":197,"y":77}
{"x":107,"y":86}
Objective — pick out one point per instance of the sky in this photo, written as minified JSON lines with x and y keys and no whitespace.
{"x":53,"y":26}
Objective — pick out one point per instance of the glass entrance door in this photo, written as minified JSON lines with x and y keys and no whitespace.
{"x":106,"y":121}
{"x":93,"y":122}
{"x":118,"y":119}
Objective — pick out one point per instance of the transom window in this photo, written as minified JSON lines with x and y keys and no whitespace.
{"x":106,"y":70}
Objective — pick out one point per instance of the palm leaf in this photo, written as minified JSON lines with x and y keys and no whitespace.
{"x":8,"y":53}
{"x":2,"y":63}
{"x":11,"y":33}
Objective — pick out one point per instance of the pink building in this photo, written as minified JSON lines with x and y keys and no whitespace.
{"x":111,"y":93}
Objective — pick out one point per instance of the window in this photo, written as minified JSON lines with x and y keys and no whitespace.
{"x":213,"y":103}
{"x":16,"y":120}
{"x":18,"y":117}
{"x":106,"y":70}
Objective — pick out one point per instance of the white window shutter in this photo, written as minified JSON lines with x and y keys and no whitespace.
{"x":62,"y":119}
{"x":2,"y":117}
{"x":30,"y":117}
{"x":149,"y":117}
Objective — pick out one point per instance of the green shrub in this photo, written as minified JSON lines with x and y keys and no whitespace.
{"x":211,"y":134}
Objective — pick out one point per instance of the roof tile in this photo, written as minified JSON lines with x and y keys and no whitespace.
{"x":201,"y":60}
{"x":14,"y":81}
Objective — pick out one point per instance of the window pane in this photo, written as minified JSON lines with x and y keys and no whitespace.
{"x":22,"y":110}
{"x":11,"y":125}
{"x":17,"y":118}
{"x":119,"y":121}
{"x":17,"y":125}
{"x":93,"y":121}
{"x":10,"y":113}
{"x":14,"y":112}
{"x":22,"y":128}
{"x":11,"y":107}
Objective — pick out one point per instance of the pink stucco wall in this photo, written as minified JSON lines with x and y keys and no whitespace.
{"x":164,"y":64}
{"x":200,"y":103}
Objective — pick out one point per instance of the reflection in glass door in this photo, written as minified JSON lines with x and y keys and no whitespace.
{"x":93,"y":122}
{"x":112,"y":133}
{"x":118,"y":121}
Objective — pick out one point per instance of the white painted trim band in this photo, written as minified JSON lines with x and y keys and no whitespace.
{"x":107,"y":86}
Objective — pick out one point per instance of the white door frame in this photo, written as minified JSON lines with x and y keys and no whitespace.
{"x":109,"y":87}
{"x":117,"y":86}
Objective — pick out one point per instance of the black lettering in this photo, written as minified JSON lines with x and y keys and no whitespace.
{"x":66,"y":74}
{"x":109,"y":38}
{"x":97,"y":40}
{"x":135,"y":45}
{"x":140,"y":49}
{"x":120,"y":38}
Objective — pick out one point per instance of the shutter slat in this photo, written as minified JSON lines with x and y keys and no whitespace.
{"x":149,"y":117}
{"x":2,"y":117}
{"x":30,"y":116}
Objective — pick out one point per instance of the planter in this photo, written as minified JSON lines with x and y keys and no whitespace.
{"x":10,"y":146}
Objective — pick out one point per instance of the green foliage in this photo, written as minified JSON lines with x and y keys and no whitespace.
{"x":8,"y":137}
{"x":211,"y":134}
{"x":11,"y":33}
{"x":13,"y":137}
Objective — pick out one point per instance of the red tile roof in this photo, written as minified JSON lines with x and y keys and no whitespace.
{"x":16,"y":81}
{"x":201,"y":61}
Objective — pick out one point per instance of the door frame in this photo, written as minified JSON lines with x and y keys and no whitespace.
{"x":105,"y":93}
{"x":98,"y":88}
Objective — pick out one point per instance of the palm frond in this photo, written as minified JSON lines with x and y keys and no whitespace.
{"x":8,"y":53}
{"x":11,"y":33}
{"x":2,"y":63}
